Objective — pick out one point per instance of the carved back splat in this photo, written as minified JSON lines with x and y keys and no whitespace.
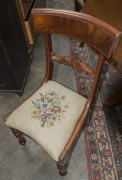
{"x":75,"y":64}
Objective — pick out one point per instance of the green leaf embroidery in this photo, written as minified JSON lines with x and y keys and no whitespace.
{"x":50,"y":100}
{"x":42,"y":97}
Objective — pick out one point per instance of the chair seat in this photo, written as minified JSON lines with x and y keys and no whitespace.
{"x":49,"y":116}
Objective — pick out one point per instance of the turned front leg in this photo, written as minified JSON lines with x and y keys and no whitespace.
{"x":62,"y":167}
{"x":19,"y":136}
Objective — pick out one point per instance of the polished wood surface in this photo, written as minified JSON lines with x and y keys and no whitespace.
{"x":89,"y":34}
{"x":87,"y":29}
{"x":113,"y":100}
{"x":109,"y":11}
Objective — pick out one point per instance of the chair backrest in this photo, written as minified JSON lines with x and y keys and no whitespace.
{"x":85,"y":28}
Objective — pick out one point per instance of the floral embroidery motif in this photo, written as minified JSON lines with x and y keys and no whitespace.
{"x":48,"y":108}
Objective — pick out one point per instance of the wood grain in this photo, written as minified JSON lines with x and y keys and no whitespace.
{"x":109,"y":11}
{"x":90,"y":30}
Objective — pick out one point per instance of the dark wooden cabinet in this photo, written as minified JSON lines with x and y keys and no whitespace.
{"x":14,"y":44}
{"x":24,"y":10}
{"x":14,"y":56}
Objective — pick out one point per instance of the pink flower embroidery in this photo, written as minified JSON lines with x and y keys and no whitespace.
{"x":45,"y":116}
{"x":51,"y":123}
{"x":34,"y":112}
{"x":66,"y":106}
{"x":56,"y":109}
{"x":63,"y":98}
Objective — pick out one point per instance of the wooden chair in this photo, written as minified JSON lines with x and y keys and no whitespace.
{"x":54,"y":115}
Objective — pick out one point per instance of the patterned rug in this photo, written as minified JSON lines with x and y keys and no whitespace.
{"x":103,"y":132}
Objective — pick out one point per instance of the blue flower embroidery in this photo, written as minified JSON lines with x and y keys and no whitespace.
{"x":53,"y":118}
{"x":53,"y":93}
{"x":44,"y":105}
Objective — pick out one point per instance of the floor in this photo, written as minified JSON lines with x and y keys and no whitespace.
{"x":32,"y":162}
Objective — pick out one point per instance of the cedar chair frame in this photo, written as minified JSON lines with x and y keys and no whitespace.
{"x":87,"y":29}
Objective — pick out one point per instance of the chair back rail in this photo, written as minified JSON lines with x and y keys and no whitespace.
{"x":85,"y":28}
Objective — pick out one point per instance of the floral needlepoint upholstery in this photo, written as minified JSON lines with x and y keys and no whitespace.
{"x":49,"y":116}
{"x":49,"y":108}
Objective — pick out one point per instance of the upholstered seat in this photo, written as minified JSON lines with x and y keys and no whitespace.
{"x":49,"y":116}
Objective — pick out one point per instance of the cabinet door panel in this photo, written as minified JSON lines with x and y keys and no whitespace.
{"x":14,"y":57}
{"x":29,"y":24}
{"x":25,"y":7}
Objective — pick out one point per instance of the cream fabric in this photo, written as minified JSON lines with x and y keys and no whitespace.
{"x":52,"y":138}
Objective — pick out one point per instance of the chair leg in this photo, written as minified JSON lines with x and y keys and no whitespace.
{"x":78,"y":7}
{"x":81,"y":44}
{"x":62,"y":167}
{"x":19,"y":135}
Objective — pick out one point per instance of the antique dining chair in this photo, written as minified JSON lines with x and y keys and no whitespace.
{"x":54,"y":115}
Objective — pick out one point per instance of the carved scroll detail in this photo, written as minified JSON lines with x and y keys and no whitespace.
{"x":75,"y":64}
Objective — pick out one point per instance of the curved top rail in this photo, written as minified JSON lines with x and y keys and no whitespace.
{"x":83,"y":27}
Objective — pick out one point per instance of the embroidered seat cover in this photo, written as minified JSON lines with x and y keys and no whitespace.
{"x":49,"y":116}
